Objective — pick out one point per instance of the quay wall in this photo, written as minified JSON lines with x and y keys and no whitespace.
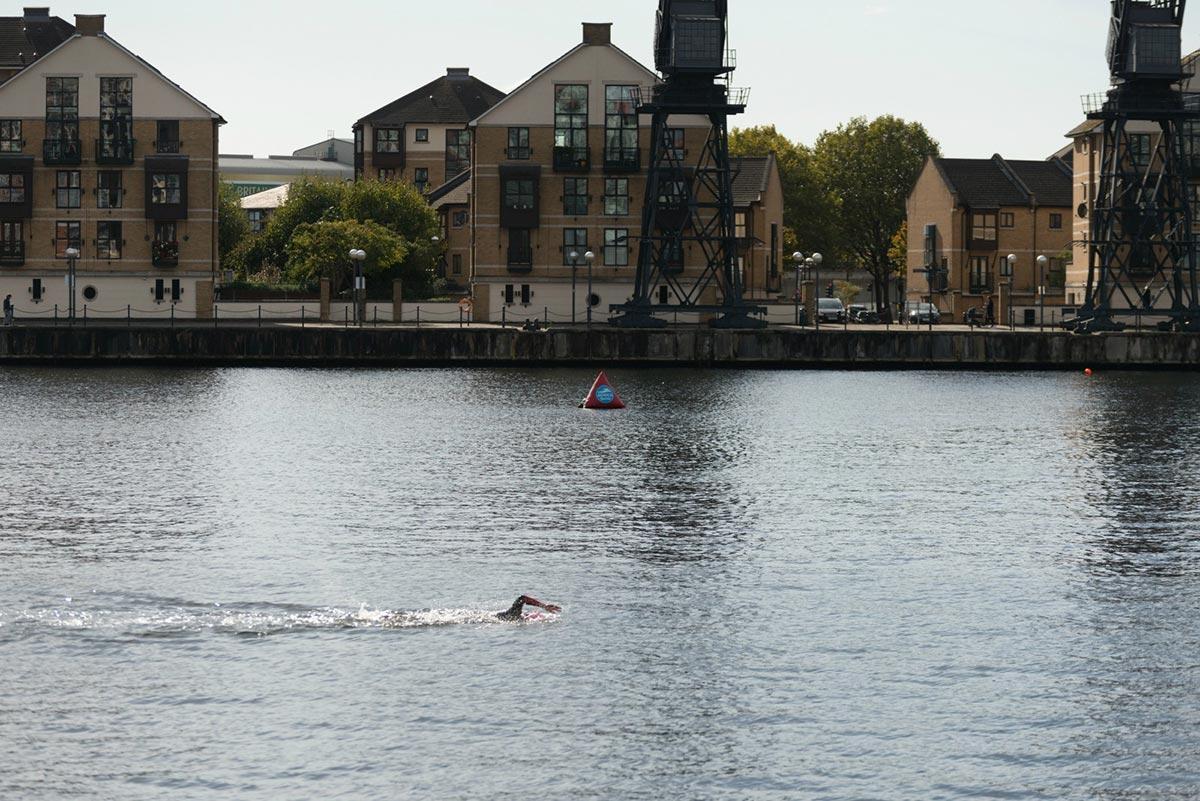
{"x":776,"y":348}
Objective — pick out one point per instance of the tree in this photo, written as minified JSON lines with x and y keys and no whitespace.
{"x":319,"y":250}
{"x":807,"y":207}
{"x":870,"y":168}
{"x":232,"y":224}
{"x":846,"y":292}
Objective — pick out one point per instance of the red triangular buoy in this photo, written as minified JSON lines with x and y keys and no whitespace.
{"x":603,"y":396}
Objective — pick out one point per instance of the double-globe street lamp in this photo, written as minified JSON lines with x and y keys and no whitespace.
{"x":811,"y":266}
{"x":1042,"y":261}
{"x":573,"y":258}
{"x":357,"y":257}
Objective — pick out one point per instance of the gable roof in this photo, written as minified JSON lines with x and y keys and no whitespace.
{"x":456,"y":97}
{"x":995,"y":182}
{"x":652,"y":76}
{"x":104,"y":37}
{"x":751,"y":178}
{"x":456,"y":191}
{"x":23,"y":40}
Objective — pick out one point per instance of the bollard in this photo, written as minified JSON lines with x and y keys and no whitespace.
{"x":460,"y":317}
{"x":418,"y":317}
{"x":215,"y":315}
{"x":128,"y":316}
{"x":260,"y":316}
{"x":347,"y":320}
{"x":376,"y":315}
{"x":504,"y":317}
{"x":546,"y":315}
{"x":56,"y":315}
{"x":172,"y":315}
{"x":85,"y":315}
{"x":301,"y":316}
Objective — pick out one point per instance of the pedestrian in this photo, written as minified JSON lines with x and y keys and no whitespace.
{"x":8,"y":310}
{"x":991,"y":312}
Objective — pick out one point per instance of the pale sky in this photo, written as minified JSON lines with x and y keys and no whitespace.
{"x":983,"y":77}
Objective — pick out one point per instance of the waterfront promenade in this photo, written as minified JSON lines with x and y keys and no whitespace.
{"x":250,"y":342}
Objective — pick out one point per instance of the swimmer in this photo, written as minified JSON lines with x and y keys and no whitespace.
{"x":514,"y":612}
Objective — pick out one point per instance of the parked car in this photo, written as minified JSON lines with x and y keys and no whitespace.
{"x":859,"y":313}
{"x":921,"y":314}
{"x":831,"y":310}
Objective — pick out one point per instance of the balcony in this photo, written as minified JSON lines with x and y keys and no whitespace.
{"x":165,"y":254}
{"x":572,"y":159}
{"x":168,"y":146}
{"x":12,"y":254}
{"x":520,"y":259}
{"x":62,"y":152}
{"x":115,"y":151}
{"x":622,"y":159}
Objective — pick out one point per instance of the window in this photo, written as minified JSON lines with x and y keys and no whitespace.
{"x":421,"y":135}
{"x":165,"y":232}
{"x":387,"y":140}
{"x":1141,"y":150}
{"x":673,"y":142}
{"x":983,"y":227}
{"x":166,"y":189}
{"x":12,"y":243}
{"x":458,"y":153}
{"x":10,"y":136}
{"x":616,"y":197}
{"x":257,"y":219}
{"x":164,"y":251}
{"x":739,"y":225}
{"x":620,"y":126}
{"x":108,"y":240}
{"x":460,"y":218}
{"x":616,"y":247}
{"x":66,"y":235}
{"x":168,"y":137}
{"x":116,"y":111}
{"x":68,"y":193}
{"x":518,"y":194}
{"x":1056,"y":277}
{"x":421,"y":178}
{"x":1056,"y":222}
{"x":387,"y":174}
{"x":1008,"y":219}
{"x":456,"y":264}
{"x":109,"y":194}
{"x":62,"y":109}
{"x":358,"y":141}
{"x":520,"y":247}
{"x":12,"y":187}
{"x":981,"y":275}
{"x":571,"y":119}
{"x":575,"y":197}
{"x":518,"y":144}
{"x":574,"y":241}
{"x":1006,"y":269}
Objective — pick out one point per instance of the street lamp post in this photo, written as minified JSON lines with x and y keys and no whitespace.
{"x":590,"y":258}
{"x":72,"y":258}
{"x":814,"y":264}
{"x":798,"y":258}
{"x":360,"y":283}
{"x":573,"y":257}
{"x":1042,"y":261}
{"x":1012,"y":266}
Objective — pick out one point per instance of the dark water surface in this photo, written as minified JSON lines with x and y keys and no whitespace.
{"x":237,"y":584}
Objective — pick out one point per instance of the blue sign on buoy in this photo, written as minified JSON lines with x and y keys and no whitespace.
{"x":605,"y":394}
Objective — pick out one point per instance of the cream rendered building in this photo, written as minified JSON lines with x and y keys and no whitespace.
{"x":548,"y":180}
{"x":113,"y":159}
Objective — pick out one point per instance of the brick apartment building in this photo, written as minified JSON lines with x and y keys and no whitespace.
{"x":560,"y":168}
{"x":104,"y":154}
{"x":968,"y":215}
{"x":423,"y":137}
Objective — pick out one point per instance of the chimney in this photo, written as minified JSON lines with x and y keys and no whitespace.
{"x":597,"y":33}
{"x":458,"y":73}
{"x":89,"y":24}
{"x":37,"y":14}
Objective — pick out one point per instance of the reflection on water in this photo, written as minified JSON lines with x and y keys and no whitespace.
{"x":776,"y":585}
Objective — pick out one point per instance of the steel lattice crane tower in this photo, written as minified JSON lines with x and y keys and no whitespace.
{"x":1142,"y":252}
{"x":689,"y":207}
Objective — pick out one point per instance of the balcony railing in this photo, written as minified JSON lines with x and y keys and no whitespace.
{"x":519,"y":153}
{"x":12,"y":254}
{"x":520,"y":259}
{"x":622,"y":159}
{"x":572,"y":159}
{"x":169,"y":146}
{"x":62,"y":152}
{"x":165,"y":254}
{"x":115,"y":151}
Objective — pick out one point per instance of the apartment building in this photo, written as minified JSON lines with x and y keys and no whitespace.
{"x":25,"y":39}
{"x":560,"y":169}
{"x":423,"y":137}
{"x":103,"y":154}
{"x":966,"y":216}
{"x":452,"y":202}
{"x":758,"y":223}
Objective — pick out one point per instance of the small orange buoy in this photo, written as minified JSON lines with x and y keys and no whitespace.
{"x":1088,"y":372}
